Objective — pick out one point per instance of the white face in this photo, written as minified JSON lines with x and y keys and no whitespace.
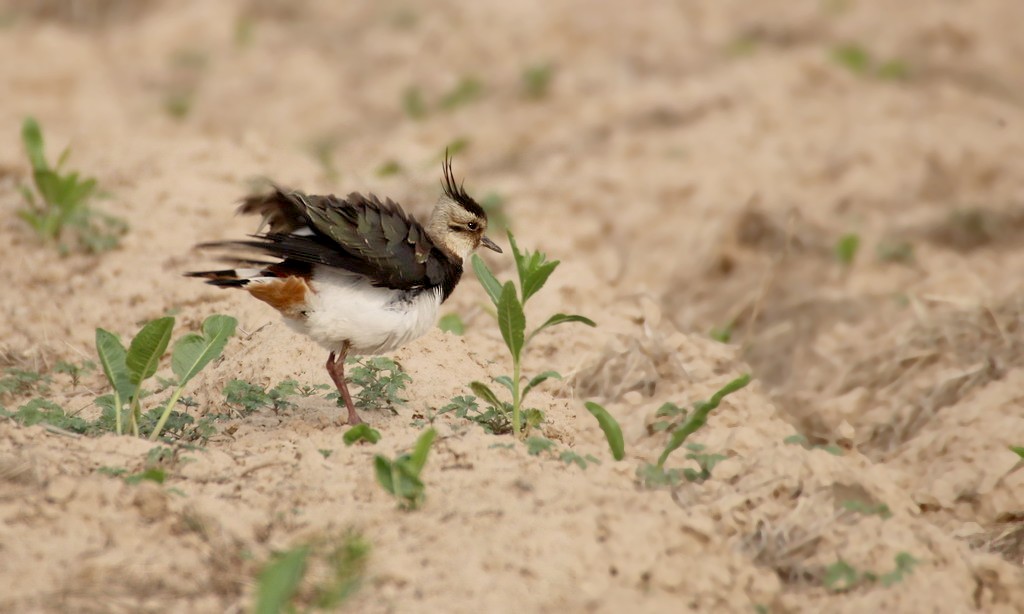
{"x":459,"y":230}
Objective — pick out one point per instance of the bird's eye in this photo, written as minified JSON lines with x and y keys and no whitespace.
{"x":472,"y":226}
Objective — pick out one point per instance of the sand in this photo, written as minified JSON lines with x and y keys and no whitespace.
{"x":693,"y":166}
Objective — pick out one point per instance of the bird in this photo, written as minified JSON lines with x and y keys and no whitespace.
{"x":358,"y":275}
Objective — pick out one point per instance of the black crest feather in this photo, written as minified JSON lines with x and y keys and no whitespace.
{"x":456,"y":191}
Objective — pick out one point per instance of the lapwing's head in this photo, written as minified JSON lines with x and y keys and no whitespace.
{"x":458,"y":221}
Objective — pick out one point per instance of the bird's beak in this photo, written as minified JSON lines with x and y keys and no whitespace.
{"x":490,"y":244}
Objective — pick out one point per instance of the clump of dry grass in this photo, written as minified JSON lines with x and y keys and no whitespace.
{"x":629,"y":363}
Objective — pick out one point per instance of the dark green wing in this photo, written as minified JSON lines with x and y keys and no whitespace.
{"x":359,"y":233}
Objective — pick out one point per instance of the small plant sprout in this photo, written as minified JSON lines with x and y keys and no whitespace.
{"x":361,"y":432}
{"x":127,"y":369}
{"x":612,"y":431}
{"x":681,"y":424}
{"x":842,"y":577}
{"x":60,"y":201}
{"x":401,"y":476}
{"x":846,"y":249}
{"x":537,"y":80}
{"x":467,"y":90}
{"x":341,"y":561}
{"x":251,"y":397}
{"x":380,"y":380}
{"x":534,"y":270}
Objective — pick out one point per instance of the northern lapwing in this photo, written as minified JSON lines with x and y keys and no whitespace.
{"x":357,"y":275}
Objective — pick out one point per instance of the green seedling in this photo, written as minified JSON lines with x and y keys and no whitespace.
{"x":699,"y":417}
{"x":536,"y":445}
{"x":681,"y":424}
{"x":842,"y":577}
{"x":853,"y":57}
{"x":380,"y":381}
{"x":705,"y":461}
{"x":858,"y":60}
{"x":60,"y":202}
{"x":325,"y":452}
{"x":280,"y":579}
{"x":537,"y":80}
{"x":401,"y":476}
{"x":42,"y":411}
{"x":389,"y":168}
{"x":251,"y":397}
{"x":867,"y":509}
{"x":452,"y":323}
{"x":152,"y":474}
{"x":454,"y":148}
{"x":1018,"y":450}
{"x":534,"y":270}
{"x":361,"y":432}
{"x":245,"y":31}
{"x":18,"y":382}
{"x":491,"y":419}
{"x":467,"y":90}
{"x":800,"y":440}
{"x":610,"y":427}
{"x":73,"y":370}
{"x":569,"y":457}
{"x":846,"y":249}
{"x":722,"y":334}
{"x":178,"y":103}
{"x":542,"y":445}
{"x":278,"y":585}
{"x":127,"y":369}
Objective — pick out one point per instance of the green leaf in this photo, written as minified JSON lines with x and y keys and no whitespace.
{"x":153,"y":474}
{"x":536,"y":445}
{"x":147,"y":347}
{"x":505,"y":381}
{"x":32,"y":137}
{"x":421,"y":450}
{"x":540,"y":379}
{"x":537,"y":277}
{"x":382,"y":467}
{"x":840,"y":576}
{"x":361,"y":432}
{"x":452,"y":323}
{"x":612,"y":431}
{"x":487,"y":279}
{"x":279,"y":581}
{"x":112,"y":358}
{"x":1018,"y":450}
{"x":511,"y":320}
{"x":484,"y":391}
{"x":700,"y":416}
{"x":562,"y":318}
{"x":194,"y":351}
{"x":518,"y":256}
{"x":846,"y":249}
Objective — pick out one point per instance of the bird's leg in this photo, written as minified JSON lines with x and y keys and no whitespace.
{"x":336,"y":368}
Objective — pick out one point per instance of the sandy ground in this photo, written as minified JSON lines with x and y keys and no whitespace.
{"x":693,"y":165}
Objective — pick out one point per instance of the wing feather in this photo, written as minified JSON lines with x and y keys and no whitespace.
{"x":359,"y":233}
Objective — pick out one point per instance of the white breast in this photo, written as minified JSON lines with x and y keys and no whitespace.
{"x":347,"y":308}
